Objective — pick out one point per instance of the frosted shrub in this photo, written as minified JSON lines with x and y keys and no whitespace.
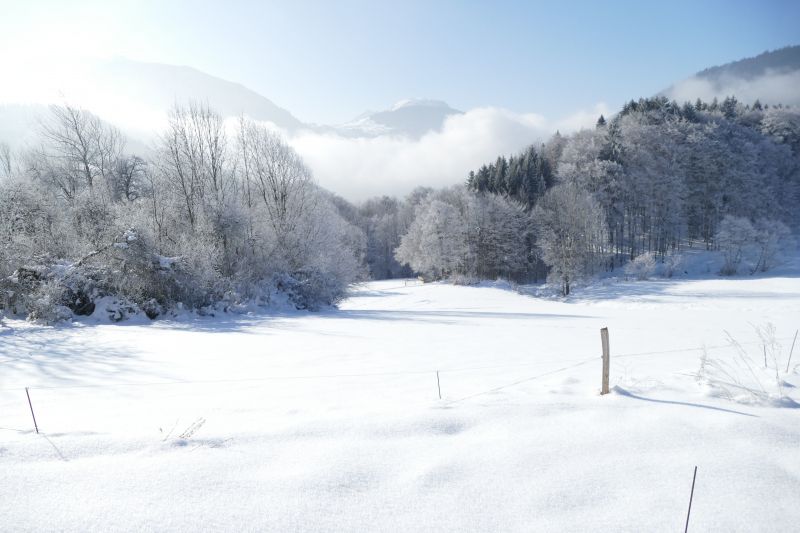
{"x":130,"y":270}
{"x":309,"y":289}
{"x":735,"y":237}
{"x":756,"y":245}
{"x":93,"y":219}
{"x":642,"y":267}
{"x":463,"y":279}
{"x":747,"y":378}
{"x":672,"y":263}
{"x":45,"y":304}
{"x":770,"y":238}
{"x":118,"y":310}
{"x":152,"y":309}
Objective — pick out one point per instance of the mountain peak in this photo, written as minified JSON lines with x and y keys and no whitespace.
{"x":420,"y":102}
{"x":412,"y":117}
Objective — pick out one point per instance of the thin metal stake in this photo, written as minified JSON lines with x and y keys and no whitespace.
{"x":790,"y":351}
{"x":438,"y":385}
{"x":606,"y":360}
{"x":35,"y":425}
{"x":691,"y":497}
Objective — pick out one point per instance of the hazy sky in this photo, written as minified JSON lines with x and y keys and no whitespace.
{"x":327,"y":61}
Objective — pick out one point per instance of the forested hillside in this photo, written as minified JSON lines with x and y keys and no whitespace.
{"x":655,"y":178}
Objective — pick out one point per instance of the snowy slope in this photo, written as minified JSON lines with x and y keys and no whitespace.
{"x":157,"y":87}
{"x":332,"y":421}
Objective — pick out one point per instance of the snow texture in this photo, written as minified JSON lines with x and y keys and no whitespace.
{"x":332,"y":421}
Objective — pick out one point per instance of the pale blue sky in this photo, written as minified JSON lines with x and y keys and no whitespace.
{"x":328,"y":61}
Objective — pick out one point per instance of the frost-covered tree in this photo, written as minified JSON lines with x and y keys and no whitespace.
{"x":435,"y":244}
{"x":384,"y":220}
{"x":759,"y":245}
{"x":490,"y":236}
{"x":276,"y":177}
{"x":571,"y":236}
{"x":734,"y":237}
{"x":79,"y":151}
{"x":783,"y":125}
{"x":523,"y":177}
{"x":498,"y":232}
{"x":653,"y":185}
{"x":772,"y":239}
{"x":193,"y":158}
{"x":128,"y":178}
{"x":6,"y":160}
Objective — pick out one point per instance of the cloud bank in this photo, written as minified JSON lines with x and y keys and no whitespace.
{"x":353,"y":167}
{"x":363,"y":167}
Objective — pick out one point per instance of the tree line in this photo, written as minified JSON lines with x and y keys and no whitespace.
{"x":221,"y":216}
{"x":657,"y":177}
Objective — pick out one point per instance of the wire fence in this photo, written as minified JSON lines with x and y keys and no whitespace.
{"x":387,"y":373}
{"x":556,"y":366}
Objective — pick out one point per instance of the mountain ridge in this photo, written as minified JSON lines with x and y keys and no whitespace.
{"x":780,"y":60}
{"x":771,"y":77}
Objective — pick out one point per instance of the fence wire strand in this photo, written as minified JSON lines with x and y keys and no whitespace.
{"x":384,"y":373}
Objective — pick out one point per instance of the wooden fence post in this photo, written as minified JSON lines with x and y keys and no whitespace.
{"x":606,"y":359}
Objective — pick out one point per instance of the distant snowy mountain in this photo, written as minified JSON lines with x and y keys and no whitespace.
{"x":409,"y":118}
{"x":772,"y":77}
{"x":136,"y":96}
{"x":159,"y":86}
{"x":132,"y":95}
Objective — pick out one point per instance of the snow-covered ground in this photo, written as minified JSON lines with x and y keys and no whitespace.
{"x":332,"y":421}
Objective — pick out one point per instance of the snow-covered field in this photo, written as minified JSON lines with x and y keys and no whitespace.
{"x":332,"y":421}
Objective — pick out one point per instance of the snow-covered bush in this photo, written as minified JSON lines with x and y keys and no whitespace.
{"x":758,"y":246}
{"x":129,"y":269}
{"x":642,"y":267}
{"x":463,"y":279}
{"x":45,"y":303}
{"x":309,"y":289}
{"x":94,"y":219}
{"x":771,"y":239}
{"x":672,"y":262}
{"x":734,"y":237}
